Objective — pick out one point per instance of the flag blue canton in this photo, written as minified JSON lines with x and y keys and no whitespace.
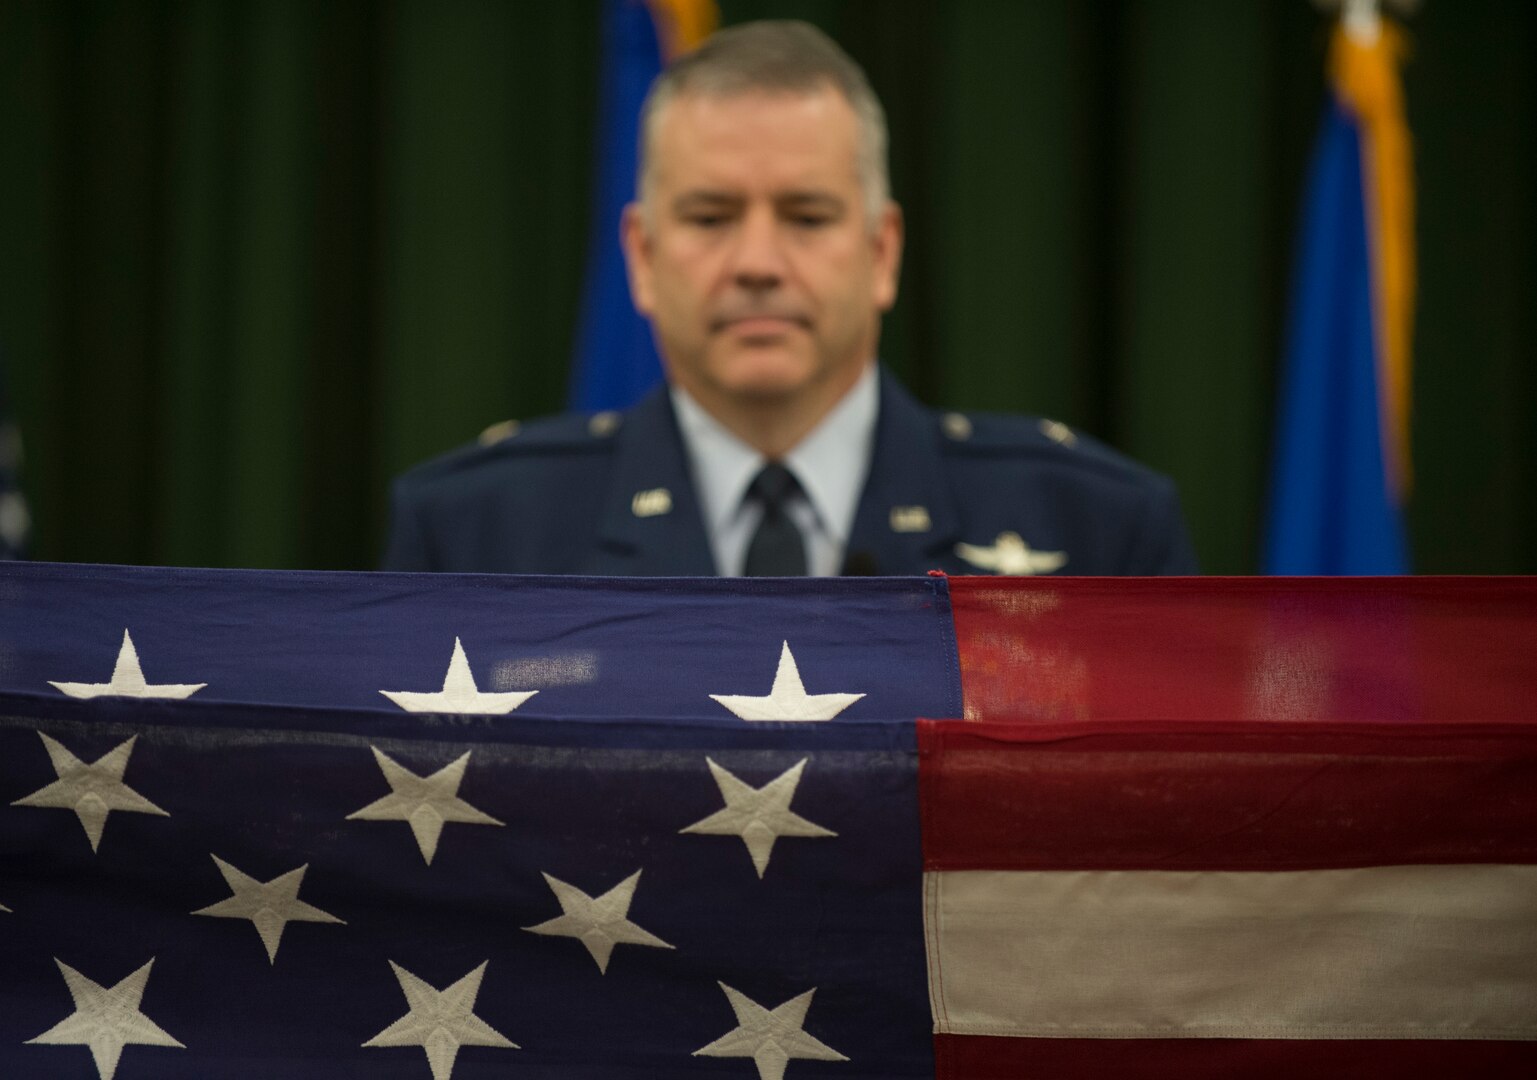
{"x":273,"y":765}
{"x":591,"y":647}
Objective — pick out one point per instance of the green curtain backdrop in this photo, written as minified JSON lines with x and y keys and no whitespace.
{"x":257,"y":257}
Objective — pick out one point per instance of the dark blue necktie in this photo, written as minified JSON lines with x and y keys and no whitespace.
{"x":777,"y":548}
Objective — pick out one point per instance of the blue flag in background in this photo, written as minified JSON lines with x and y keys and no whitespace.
{"x":1341,"y":466}
{"x":616,"y":360}
{"x":1331,"y":511}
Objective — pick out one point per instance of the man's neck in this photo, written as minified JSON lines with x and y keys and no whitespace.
{"x":774,"y":426}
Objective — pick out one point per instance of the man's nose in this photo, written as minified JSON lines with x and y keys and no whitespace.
{"x":758,"y":262}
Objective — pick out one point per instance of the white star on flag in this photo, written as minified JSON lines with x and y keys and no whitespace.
{"x":270,"y":905}
{"x":599,"y":923}
{"x":459,"y":693}
{"x":105,"y":1019}
{"x":427,"y":803}
{"x":440,"y":1021}
{"x":92,"y":791}
{"x":128,"y":680}
{"x":771,"y":1037}
{"x":787,"y":700}
{"x":758,"y":815}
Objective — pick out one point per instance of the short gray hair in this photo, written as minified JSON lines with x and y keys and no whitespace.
{"x":783,"y":56}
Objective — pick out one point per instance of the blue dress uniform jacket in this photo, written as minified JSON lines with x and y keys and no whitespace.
{"x":966,"y":494}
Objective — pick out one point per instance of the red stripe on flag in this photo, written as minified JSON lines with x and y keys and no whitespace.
{"x":1346,"y":650}
{"x":1224,"y":725}
{"x":965,"y":1057}
{"x":1225,"y":797}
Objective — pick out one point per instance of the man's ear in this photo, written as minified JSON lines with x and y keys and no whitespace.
{"x":636,"y":242}
{"x":887,"y":243}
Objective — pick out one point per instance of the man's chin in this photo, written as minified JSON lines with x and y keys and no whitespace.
{"x":764,"y":374}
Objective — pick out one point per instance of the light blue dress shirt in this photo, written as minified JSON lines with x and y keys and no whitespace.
{"x":831,"y":464}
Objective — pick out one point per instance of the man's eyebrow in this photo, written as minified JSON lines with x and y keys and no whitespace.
{"x":708,"y":199}
{"x":812,"y":200}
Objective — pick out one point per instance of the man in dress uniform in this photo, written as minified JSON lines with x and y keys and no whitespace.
{"x":764,"y":248}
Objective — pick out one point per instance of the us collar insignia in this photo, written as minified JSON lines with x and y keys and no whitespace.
{"x":651,"y":503}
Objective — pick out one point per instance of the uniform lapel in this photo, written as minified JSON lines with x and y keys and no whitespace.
{"x":906,"y":490}
{"x":651,"y":523}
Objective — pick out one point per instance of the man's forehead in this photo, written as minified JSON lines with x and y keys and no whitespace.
{"x":808,"y":127}
{"x":819,"y":95}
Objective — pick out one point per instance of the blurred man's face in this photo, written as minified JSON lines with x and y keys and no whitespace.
{"x":754,"y":257}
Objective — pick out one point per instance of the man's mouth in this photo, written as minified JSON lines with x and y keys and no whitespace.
{"x":761,"y":324}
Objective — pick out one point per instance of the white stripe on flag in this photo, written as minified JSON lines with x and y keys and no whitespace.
{"x":1396,"y":952}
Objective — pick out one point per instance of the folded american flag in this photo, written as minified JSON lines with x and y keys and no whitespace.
{"x":324,"y":825}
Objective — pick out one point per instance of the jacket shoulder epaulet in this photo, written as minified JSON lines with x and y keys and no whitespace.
{"x":511,"y":440}
{"x":1004,"y":435}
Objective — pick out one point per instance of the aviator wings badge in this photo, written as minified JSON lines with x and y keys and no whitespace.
{"x":1009,"y":554}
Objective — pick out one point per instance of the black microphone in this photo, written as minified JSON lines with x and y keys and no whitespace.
{"x":859,"y":564}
